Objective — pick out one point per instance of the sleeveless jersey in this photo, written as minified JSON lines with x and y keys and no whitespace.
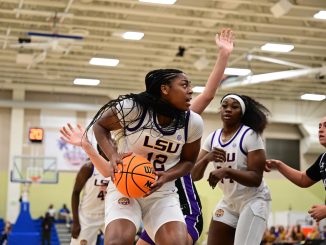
{"x":237,"y":148}
{"x":162,"y":149}
{"x":94,"y":191}
{"x":317,"y":171}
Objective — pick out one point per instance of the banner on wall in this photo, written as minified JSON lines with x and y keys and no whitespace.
{"x":69,"y":157}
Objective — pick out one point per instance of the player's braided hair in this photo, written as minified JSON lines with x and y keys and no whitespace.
{"x":255,"y":115}
{"x":148,"y":101}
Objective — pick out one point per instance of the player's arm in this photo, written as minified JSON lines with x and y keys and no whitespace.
{"x":297,"y":177}
{"x":224,"y":42}
{"x":102,"y":128}
{"x":253,"y":176}
{"x":83,"y":175}
{"x":198,"y":170}
{"x":77,"y":136}
{"x":187,"y":160}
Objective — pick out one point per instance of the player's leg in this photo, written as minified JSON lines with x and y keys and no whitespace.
{"x":220,"y":234}
{"x":120,"y":231}
{"x":89,"y":228}
{"x":252,"y":223}
{"x":122,"y":219}
{"x":223,"y":224}
{"x":163,"y":219}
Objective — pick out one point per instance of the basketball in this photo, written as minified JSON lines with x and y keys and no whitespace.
{"x":135,"y":177}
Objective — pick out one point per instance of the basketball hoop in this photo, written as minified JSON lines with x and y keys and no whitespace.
{"x":34,"y":174}
{"x":35,"y":179}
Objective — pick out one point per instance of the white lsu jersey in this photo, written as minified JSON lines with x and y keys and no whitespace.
{"x":162,"y":149}
{"x":94,"y":191}
{"x":237,"y":148}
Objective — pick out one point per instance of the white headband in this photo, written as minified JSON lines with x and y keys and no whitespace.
{"x":237,"y":98}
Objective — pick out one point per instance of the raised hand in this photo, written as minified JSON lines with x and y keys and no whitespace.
{"x":75,"y":136}
{"x":225,"y":40}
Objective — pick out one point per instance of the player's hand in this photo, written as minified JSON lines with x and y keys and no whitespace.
{"x":115,"y":160}
{"x":225,"y":40}
{"x":216,"y":155}
{"x":74,"y":135}
{"x":216,"y":175}
{"x":161,"y":179}
{"x":318,"y":212}
{"x":75,"y":230}
{"x":272,"y":164}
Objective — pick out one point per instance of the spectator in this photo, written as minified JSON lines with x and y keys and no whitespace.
{"x":46,"y":229}
{"x":51,"y":210}
{"x":5,"y":233}
{"x":64,"y":213}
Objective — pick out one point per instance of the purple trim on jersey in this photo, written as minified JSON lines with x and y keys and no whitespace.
{"x":230,"y":141}
{"x":145,"y":237}
{"x":213,"y":140}
{"x":141,"y":120}
{"x":191,"y":228}
{"x":157,"y":125}
{"x":241,"y":140}
{"x":191,"y":196}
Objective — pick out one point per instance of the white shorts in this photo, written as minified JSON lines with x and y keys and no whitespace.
{"x":228,"y":213}
{"x":89,"y":228}
{"x":155,"y":210}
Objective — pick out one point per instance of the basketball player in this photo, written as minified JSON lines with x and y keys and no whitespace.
{"x":188,"y":196}
{"x":88,"y":213}
{"x":153,"y":124}
{"x":237,"y":152}
{"x":311,"y":176}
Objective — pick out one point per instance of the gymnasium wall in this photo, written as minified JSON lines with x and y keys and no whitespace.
{"x":284,"y":194}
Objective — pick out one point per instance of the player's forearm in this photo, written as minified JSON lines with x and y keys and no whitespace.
{"x":181,"y":169}
{"x":75,"y":207}
{"x":104,"y":139}
{"x":213,"y":82}
{"x":246,"y":178}
{"x":295,"y":176}
{"x":100,"y":163}
{"x":198,"y":170}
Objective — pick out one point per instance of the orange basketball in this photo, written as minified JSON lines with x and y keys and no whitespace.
{"x":135,"y":177}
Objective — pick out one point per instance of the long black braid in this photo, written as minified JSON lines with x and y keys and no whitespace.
{"x":148,"y":101}
{"x":255,"y":115}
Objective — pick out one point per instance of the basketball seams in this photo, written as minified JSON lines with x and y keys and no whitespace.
{"x":133,"y":181}
{"x":127,"y":173}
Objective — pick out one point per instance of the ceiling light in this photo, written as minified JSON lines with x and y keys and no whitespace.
{"x":159,"y":1}
{"x":198,"y":89}
{"x":281,"y":8}
{"x":237,"y":71}
{"x":320,"y":15}
{"x":85,"y":81}
{"x":277,"y":47}
{"x":104,"y":62}
{"x":315,"y":97}
{"x":131,"y":35}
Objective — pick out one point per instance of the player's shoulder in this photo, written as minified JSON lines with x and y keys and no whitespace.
{"x":195,"y":117}
{"x":87,"y":168}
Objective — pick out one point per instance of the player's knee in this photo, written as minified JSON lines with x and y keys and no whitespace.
{"x":177,"y":237}
{"x":119,"y":241}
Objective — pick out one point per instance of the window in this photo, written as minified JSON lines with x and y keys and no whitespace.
{"x":288,"y":151}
